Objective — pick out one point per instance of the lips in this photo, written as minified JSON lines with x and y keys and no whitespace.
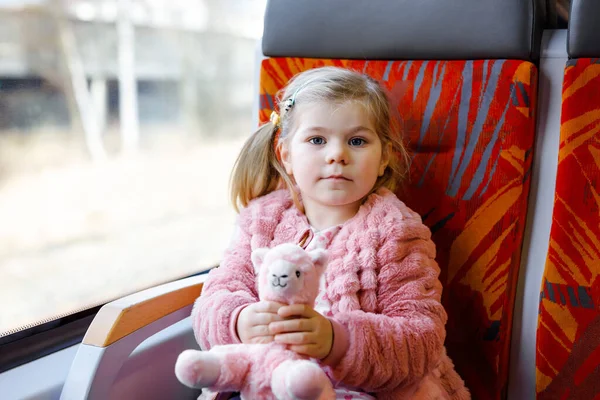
{"x":337,"y":178}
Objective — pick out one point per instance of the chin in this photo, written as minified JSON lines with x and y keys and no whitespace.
{"x":338,"y":200}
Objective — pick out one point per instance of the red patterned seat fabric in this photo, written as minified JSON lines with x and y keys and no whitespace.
{"x":568,"y":336}
{"x":470,"y":128}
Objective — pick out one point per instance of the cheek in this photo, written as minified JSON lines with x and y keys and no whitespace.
{"x":371,"y":164}
{"x":304,"y":167}
{"x":299,"y":154}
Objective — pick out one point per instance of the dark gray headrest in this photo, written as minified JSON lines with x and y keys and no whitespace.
{"x":584,"y":29}
{"x":404,"y":29}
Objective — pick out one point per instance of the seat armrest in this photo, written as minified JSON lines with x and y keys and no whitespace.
{"x":119,"y":327}
{"x":124,"y":316}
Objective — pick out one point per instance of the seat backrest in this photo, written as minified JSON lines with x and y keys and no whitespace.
{"x":469,"y":118}
{"x":568,"y":335}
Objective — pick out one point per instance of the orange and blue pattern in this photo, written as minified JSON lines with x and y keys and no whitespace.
{"x":469,"y":126}
{"x":568,"y":336}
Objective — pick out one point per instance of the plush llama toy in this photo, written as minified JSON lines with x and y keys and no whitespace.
{"x":287,"y":274}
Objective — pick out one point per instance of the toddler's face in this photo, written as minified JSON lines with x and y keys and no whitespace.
{"x":333,"y":153}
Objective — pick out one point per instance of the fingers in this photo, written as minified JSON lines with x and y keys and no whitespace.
{"x":253,"y":322}
{"x":261,"y":340}
{"x":260,"y":330}
{"x":267,"y":307}
{"x":295,"y":338}
{"x":265,"y":318}
{"x":312,"y":337}
{"x":311,"y":350}
{"x":259,"y":326}
{"x":296,"y":310}
{"x":291,"y":325}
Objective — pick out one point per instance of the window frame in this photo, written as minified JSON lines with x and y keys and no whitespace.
{"x":44,"y":339}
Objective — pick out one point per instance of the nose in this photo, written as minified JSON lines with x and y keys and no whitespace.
{"x":337,"y":153}
{"x":279,"y":281}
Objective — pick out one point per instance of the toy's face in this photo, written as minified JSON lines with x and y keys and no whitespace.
{"x":288,"y":274}
{"x":284,"y":278}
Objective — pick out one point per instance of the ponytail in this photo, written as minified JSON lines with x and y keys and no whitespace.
{"x":257,"y":170}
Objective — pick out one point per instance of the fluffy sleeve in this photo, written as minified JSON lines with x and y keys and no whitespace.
{"x":227,"y":290}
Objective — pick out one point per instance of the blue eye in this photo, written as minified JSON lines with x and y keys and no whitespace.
{"x":357,"y":141}
{"x":317,"y":140}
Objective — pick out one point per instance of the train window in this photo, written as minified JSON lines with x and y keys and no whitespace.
{"x":120,"y":121}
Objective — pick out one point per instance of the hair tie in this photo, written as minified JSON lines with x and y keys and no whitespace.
{"x":275,"y":118}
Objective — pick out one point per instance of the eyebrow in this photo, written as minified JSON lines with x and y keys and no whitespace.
{"x":350,"y":131}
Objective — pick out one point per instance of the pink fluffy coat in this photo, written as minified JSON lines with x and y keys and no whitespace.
{"x":382,"y":281}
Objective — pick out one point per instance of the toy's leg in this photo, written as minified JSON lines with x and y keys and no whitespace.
{"x":214,"y":369}
{"x":301,"y":380}
{"x":197,"y":369}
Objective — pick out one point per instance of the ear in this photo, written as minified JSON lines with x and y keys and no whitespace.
{"x":286,"y":156}
{"x":258,"y":256}
{"x":386,"y":151}
{"x":319,"y":258}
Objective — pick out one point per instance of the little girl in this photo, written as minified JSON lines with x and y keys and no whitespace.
{"x":323,"y":173}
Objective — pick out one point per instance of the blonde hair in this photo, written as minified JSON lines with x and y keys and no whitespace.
{"x":258,"y":171}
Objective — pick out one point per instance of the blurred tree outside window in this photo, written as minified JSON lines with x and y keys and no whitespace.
{"x":120,"y":121}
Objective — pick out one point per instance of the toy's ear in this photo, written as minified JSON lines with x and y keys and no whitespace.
{"x":258,"y":256}
{"x":318,"y":257}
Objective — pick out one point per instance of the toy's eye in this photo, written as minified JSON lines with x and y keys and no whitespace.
{"x":298,"y":274}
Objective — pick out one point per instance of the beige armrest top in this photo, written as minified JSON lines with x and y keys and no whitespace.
{"x":121,"y":317}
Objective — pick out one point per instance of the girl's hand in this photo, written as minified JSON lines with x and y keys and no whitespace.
{"x":253,"y":322}
{"x":305,"y":330}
